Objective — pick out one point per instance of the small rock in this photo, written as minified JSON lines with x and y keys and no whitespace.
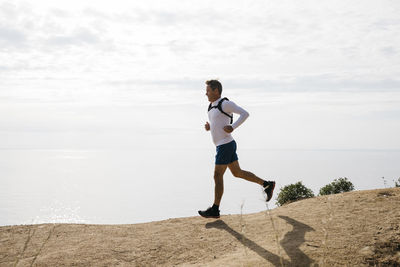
{"x":366,"y":251}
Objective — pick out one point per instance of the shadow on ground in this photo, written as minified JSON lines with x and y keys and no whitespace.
{"x":290,"y":243}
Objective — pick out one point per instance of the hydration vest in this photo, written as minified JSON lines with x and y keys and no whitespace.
{"x":219,"y":106}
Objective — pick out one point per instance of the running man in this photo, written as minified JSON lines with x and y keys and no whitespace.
{"x":220,"y":115}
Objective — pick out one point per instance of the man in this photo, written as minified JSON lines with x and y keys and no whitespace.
{"x":220,"y":115}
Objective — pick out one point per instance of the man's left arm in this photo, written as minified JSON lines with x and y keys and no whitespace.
{"x":231,"y":107}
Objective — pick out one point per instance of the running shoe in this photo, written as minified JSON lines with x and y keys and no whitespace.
{"x":209,"y":213}
{"x":269,"y":187}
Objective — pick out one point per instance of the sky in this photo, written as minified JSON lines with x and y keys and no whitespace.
{"x":78,"y":77}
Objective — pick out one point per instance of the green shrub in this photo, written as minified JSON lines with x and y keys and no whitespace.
{"x":397,"y":183}
{"x":293,"y":192}
{"x":337,"y":186}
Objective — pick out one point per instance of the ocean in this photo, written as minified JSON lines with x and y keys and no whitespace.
{"x":124,"y":186}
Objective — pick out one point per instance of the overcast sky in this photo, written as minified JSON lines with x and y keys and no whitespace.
{"x":332,"y":62}
{"x":265,"y":42}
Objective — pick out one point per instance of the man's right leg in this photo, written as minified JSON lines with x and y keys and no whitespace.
{"x":219,"y":183}
{"x":213,"y":212}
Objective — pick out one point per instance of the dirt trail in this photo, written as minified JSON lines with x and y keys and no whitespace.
{"x":358,"y":228}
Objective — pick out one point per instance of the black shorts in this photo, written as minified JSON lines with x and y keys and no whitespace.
{"x":226,"y":153}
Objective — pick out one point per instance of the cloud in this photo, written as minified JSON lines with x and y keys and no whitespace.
{"x":318,"y":83}
{"x":315,"y":83}
{"x":78,"y":37}
{"x":9,"y":10}
{"x":22,"y":25}
{"x":91,"y":12}
{"x":175,"y":83}
{"x":386,"y":24}
{"x":21,"y":67}
{"x":10,"y":37}
{"x":60,"y":13}
{"x":180,"y":47}
{"x":389,"y":51}
{"x":174,"y":40}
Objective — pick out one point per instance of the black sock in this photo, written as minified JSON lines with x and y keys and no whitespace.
{"x":265,"y":184}
{"x":215,"y":207}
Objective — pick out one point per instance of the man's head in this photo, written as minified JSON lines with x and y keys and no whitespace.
{"x":213,"y":90}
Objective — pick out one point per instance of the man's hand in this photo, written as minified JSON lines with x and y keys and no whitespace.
{"x":228,"y":129}
{"x":207,"y":126}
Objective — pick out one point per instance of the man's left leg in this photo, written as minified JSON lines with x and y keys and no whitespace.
{"x":249,"y":176}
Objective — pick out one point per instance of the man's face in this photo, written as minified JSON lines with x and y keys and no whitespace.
{"x":212,"y":94}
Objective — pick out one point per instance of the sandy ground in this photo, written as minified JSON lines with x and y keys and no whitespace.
{"x":358,"y":228}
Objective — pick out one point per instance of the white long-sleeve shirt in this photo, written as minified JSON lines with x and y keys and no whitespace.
{"x":219,"y":120}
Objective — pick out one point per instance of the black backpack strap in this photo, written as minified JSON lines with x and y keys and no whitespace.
{"x":219,"y":106}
